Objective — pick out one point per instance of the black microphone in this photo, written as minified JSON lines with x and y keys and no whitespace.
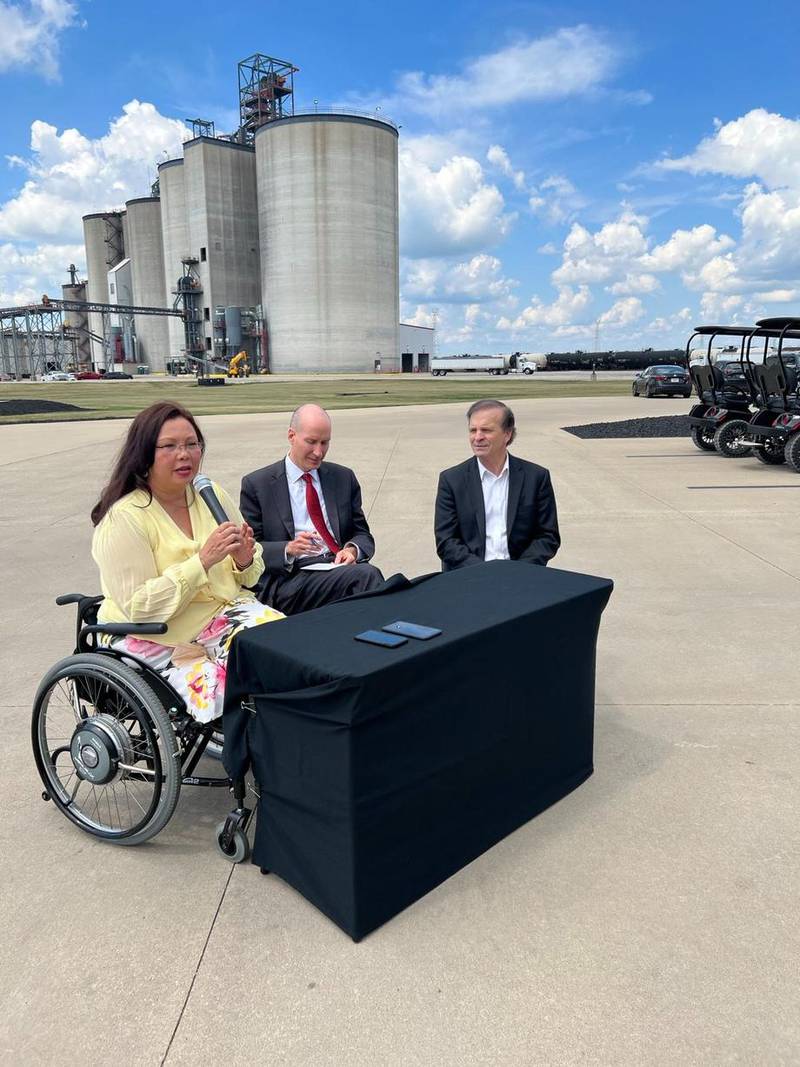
{"x":202,"y":484}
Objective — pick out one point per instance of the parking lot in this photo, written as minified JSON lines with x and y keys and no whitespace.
{"x":650,"y":916}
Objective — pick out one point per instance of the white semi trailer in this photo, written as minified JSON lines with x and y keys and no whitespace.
{"x":460,"y":364}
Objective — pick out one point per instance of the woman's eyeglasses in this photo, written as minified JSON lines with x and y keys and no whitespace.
{"x":171,"y":447}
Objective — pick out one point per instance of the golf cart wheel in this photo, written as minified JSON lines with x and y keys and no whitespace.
{"x":772,"y":452}
{"x":703,"y":438}
{"x":791,"y":452}
{"x":728,"y":439}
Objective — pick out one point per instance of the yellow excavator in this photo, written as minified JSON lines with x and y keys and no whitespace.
{"x":238,"y":366}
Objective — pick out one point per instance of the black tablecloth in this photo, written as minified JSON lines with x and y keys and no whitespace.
{"x":384,"y":771}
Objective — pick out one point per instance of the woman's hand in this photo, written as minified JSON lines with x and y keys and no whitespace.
{"x":243,"y":557}
{"x":226,"y":540}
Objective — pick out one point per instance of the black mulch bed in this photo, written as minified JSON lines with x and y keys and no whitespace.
{"x":35,"y":407}
{"x":660,"y":426}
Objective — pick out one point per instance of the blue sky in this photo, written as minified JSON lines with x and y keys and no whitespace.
{"x":567,"y":171}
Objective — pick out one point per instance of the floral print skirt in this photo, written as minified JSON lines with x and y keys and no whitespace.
{"x":197,"y":670}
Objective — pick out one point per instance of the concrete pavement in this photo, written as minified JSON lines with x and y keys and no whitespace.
{"x":648,"y":917}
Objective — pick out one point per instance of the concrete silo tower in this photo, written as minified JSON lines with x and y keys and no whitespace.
{"x":175,"y":238}
{"x":328,"y":226}
{"x":222,"y":225}
{"x":105,"y":248}
{"x":146,"y":253}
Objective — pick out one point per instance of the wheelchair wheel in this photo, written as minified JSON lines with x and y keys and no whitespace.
{"x":105,"y":749}
{"x":239,"y":849}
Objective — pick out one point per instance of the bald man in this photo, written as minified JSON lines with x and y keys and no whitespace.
{"x":304,"y":512}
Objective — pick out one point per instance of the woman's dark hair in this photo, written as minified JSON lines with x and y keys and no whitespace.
{"x":138,"y":452}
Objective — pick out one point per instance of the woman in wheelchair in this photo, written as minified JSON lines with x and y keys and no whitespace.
{"x":119,"y":726}
{"x":163,"y":558}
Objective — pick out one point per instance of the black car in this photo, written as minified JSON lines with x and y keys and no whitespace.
{"x":116,"y":375}
{"x":662,"y":381}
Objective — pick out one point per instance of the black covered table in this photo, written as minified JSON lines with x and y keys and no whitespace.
{"x":384,"y":771}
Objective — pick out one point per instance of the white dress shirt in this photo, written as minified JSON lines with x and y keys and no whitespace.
{"x":495,"y":506}
{"x":300,"y":517}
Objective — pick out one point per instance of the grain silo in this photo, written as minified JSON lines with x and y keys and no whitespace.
{"x":103,"y":239}
{"x":175,"y":237}
{"x":77,"y":320}
{"x":146,"y":252}
{"x":328,"y":225}
{"x":222,"y":223}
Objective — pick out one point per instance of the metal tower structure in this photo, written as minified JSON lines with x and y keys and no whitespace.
{"x":202,"y":128}
{"x":34,"y":338}
{"x":266,"y":92}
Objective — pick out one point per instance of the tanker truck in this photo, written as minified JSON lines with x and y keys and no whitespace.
{"x":441,"y":365}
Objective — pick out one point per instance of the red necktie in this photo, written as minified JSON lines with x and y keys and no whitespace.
{"x":315,"y":513}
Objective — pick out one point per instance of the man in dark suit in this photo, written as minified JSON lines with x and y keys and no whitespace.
{"x":494,"y":506}
{"x":305,"y":512}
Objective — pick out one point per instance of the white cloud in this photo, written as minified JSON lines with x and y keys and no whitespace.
{"x":569,"y":304}
{"x":635,"y":283}
{"x":475,"y":281}
{"x":473,"y":319}
{"x":556,"y":200}
{"x":716,"y":307}
{"x":760,"y":144}
{"x":29,"y":34}
{"x":25,"y":275}
{"x":779,"y":296}
{"x":569,"y":62}
{"x":449,"y":210}
{"x":670,"y":324}
{"x":623,"y":312}
{"x":69,"y":175}
{"x":498,"y":157}
{"x":435,"y":149}
{"x":420,"y":316}
{"x":686,"y":249}
{"x":604,"y":255}
{"x":765,"y":146}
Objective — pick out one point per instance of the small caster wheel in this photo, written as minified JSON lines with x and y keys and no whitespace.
{"x":45,"y":795}
{"x":266,"y":870}
{"x":239,"y":848}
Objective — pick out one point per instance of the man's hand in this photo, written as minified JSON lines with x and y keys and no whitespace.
{"x":305,"y":544}
{"x":348,"y":554}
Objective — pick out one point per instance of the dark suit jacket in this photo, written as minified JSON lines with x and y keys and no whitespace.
{"x":460,"y":520}
{"x":265,"y":505}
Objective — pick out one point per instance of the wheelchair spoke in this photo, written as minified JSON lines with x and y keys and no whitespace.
{"x":132,"y":796}
{"x":106,"y":748}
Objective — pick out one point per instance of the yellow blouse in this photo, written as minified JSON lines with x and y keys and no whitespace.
{"x":150,"y":570}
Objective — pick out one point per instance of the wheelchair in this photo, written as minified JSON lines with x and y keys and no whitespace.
{"x":114,"y":743}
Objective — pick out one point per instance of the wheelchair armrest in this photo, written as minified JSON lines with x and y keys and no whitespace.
{"x":126,"y":629}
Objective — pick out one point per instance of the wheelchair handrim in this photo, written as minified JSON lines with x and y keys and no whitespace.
{"x":95,"y":808}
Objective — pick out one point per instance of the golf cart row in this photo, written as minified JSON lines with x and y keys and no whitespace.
{"x":748,"y":403}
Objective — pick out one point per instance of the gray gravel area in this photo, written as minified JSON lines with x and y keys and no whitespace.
{"x":35,"y":407}
{"x":660,"y":426}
